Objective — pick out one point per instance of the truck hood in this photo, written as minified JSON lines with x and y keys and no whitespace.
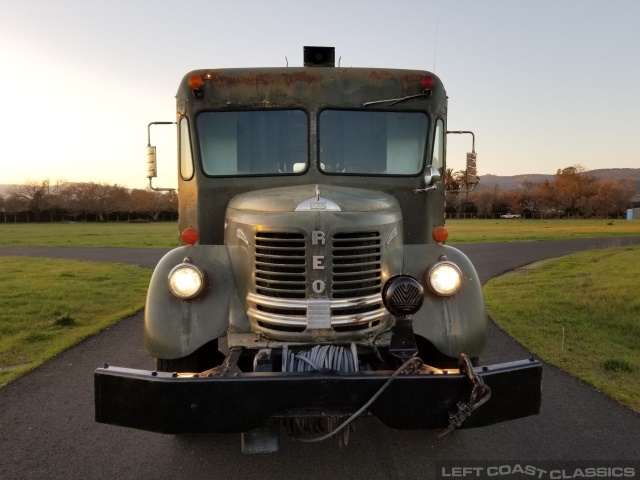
{"x":305,"y":198}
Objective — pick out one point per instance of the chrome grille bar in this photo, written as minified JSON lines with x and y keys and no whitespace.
{"x":280,"y":264}
{"x":357,"y":263}
{"x":294,"y":313}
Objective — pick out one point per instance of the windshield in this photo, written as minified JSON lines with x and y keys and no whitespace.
{"x":372,"y":143}
{"x":264,"y":142}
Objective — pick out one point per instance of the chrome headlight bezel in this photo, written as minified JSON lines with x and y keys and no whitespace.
{"x":193,"y":274}
{"x":444,"y":278}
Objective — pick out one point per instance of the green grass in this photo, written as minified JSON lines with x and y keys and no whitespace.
{"x":513,"y":230}
{"x":47,"y":306}
{"x":165,"y":234}
{"x":143,"y":235}
{"x":580,"y":312}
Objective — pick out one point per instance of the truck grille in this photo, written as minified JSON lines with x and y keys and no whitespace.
{"x":280,"y":301}
{"x":356,"y":264}
{"x":280,"y":264}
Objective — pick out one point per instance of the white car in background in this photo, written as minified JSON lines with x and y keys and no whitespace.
{"x":510,"y":215}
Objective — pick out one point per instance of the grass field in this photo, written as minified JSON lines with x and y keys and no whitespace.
{"x":165,"y":234}
{"x":580,"y":312}
{"x":142,"y":235}
{"x":512,"y":230}
{"x":47,"y":306}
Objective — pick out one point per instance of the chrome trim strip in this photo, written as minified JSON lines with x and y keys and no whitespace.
{"x":336,"y":320}
{"x":274,"y":319}
{"x":303,"y":304}
{"x":318,"y":204}
{"x":318,"y":311}
{"x":242,"y":236}
{"x":358,"y":317}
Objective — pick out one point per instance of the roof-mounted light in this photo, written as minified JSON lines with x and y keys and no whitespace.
{"x":319,"y":56}
{"x":427,"y":82}
{"x":195,"y":81}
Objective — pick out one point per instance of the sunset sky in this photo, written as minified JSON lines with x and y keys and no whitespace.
{"x":543,"y":84}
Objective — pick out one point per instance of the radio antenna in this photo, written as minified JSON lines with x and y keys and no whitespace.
{"x":435,"y":49}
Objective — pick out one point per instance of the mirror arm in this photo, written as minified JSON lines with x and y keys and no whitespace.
{"x":419,"y":190}
{"x":149,"y":129}
{"x":473,"y":138}
{"x":159,"y":189}
{"x":468,"y":190}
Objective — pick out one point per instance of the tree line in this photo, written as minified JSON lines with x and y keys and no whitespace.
{"x":571,"y":193}
{"x":76,"y":201}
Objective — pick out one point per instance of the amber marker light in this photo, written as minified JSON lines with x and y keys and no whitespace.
{"x":195,"y":81}
{"x":440,"y":234}
{"x":190,"y":235}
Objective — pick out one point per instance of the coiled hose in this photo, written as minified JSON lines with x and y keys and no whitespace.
{"x":333,"y":357}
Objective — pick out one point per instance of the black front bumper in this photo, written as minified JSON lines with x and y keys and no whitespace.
{"x":165,"y":403}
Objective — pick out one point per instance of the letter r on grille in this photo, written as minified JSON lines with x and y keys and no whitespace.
{"x":317,"y":237}
{"x":318,"y":314}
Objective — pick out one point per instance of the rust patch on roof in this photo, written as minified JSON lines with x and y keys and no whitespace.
{"x":380,"y":74}
{"x":266,"y":78}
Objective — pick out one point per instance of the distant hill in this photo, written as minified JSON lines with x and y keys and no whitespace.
{"x":489,"y":181}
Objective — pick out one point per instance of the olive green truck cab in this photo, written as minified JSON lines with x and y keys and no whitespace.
{"x":313,"y":283}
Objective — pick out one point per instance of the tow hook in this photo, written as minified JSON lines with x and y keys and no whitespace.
{"x":480,"y":394}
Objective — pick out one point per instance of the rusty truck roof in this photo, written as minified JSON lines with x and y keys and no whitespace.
{"x":289,"y":86}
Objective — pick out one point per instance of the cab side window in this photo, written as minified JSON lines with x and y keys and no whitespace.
{"x":438,"y":147}
{"x":186,"y":158}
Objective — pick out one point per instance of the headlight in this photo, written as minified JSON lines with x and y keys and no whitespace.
{"x":445,"y":278}
{"x":186,"y":281}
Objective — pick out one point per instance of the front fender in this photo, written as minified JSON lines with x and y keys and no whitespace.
{"x":174,"y":328}
{"x":456,"y":324}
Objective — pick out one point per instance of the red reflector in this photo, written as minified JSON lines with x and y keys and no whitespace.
{"x":195,"y":81}
{"x":440,"y":234}
{"x":427,"y":82}
{"x":190,"y":235}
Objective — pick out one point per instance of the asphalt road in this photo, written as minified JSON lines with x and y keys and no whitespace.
{"x":47,"y":429}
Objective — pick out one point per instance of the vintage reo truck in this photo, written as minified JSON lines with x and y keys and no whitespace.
{"x":313,"y":283}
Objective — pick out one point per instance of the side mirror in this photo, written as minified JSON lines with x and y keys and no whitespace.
{"x":472,"y":173}
{"x":152,"y":170}
{"x":431,"y":176}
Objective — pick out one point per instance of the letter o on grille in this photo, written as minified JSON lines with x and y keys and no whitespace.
{"x":318,"y":286}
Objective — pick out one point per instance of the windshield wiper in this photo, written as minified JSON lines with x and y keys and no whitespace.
{"x":425,"y":94}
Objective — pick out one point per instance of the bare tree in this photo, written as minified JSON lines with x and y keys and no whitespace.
{"x":151,"y":202}
{"x":34,"y":195}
